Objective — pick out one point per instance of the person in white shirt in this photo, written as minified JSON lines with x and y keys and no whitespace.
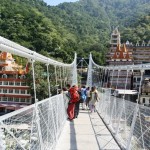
{"x":93,"y":99}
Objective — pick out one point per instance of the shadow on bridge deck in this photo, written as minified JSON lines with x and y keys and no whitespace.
{"x":87,"y":132}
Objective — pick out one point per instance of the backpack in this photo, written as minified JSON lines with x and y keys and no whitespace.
{"x":80,"y":97}
{"x":74,"y":96}
{"x":83,"y":94}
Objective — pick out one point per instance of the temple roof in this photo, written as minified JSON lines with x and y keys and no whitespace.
{"x":121,"y":56}
{"x":121,"y":53}
{"x":10,"y":66}
{"x":5,"y":56}
{"x":127,"y":56}
{"x":115,"y":56}
{"x":124,"y":49}
{"x":118,"y":48}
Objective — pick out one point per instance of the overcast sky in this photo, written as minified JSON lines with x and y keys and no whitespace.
{"x":56,"y":2}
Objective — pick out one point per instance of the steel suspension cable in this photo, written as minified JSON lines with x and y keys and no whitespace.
{"x":36,"y":113}
{"x":109,"y":99}
{"x":63,"y":74}
{"x":103,"y":100}
{"x":105,"y":72}
{"x":60,"y":77}
{"x":114,"y":104}
{"x":56,"y":80}
{"x":128,"y":144}
{"x":48,"y":81}
{"x":123,"y":104}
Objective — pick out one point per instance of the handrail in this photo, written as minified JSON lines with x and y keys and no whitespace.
{"x":14,"y":48}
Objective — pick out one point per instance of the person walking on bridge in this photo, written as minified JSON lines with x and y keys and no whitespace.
{"x":83,"y":96}
{"x":88,"y":97}
{"x":74,"y":97}
{"x":93,"y":99}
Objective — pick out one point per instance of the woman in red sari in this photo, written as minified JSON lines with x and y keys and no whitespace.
{"x":74,"y":97}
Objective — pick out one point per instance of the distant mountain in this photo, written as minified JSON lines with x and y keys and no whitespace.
{"x":83,"y":26}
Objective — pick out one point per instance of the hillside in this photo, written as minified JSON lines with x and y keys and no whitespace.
{"x":83,"y":26}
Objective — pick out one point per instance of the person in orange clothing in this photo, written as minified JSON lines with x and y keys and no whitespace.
{"x":74,"y":97}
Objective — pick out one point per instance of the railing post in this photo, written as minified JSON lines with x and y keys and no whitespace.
{"x":102,"y":97}
{"x":53,"y":120}
{"x":61,"y":78}
{"x":105,"y":93}
{"x":132,"y":128}
{"x":74,"y":71}
{"x":63,"y":74}
{"x":110,"y":92}
{"x":123,"y":104}
{"x":89,"y":76}
{"x":114,"y":104}
{"x":36,"y":108}
{"x":49,"y":88}
{"x":107,"y":83}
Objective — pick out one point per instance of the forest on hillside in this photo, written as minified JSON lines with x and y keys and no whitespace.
{"x":84,"y":26}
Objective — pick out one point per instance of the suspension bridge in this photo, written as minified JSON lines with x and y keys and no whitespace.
{"x":117,"y":124}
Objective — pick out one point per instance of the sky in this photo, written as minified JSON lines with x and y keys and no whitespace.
{"x":56,"y":2}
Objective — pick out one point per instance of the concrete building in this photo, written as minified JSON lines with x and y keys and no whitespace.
{"x":145,"y":93}
{"x":14,"y":92}
{"x":141,"y":53}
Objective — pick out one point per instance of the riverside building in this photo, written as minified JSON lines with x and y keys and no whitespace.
{"x":128,"y":54}
{"x":14,"y":91}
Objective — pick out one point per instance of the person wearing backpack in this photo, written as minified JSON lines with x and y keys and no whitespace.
{"x":74,"y":98}
{"x":88,"y":97}
{"x":83,"y":97}
{"x":77,"y":105}
{"x":93,"y":99}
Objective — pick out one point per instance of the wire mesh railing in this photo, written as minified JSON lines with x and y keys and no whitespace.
{"x":128,"y":121}
{"x":36,"y":127}
{"x":119,"y":116}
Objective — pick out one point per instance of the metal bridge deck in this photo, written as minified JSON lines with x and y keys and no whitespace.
{"x":87,"y":132}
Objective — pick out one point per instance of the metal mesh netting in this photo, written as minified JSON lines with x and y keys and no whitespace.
{"x":38,"y":126}
{"x":35,"y":129}
{"x":128,"y":121}
{"x":119,"y":115}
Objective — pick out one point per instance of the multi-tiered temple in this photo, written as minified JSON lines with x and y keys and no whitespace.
{"x":119,"y":55}
{"x":128,"y":54}
{"x":14,"y":92}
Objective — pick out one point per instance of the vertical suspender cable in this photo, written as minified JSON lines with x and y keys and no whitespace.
{"x":34,"y":86}
{"x":89,"y":75}
{"x":100,"y":106}
{"x":117,"y":130}
{"x":111,"y":72}
{"x":115,"y":99}
{"x":56,"y":79}
{"x":103,"y":100}
{"x":63,"y":76}
{"x":128,"y":146}
{"x":106,"y":114}
{"x":36,"y":108}
{"x":103,"y":77}
{"x":107,"y":77}
{"x":60,"y":77}
{"x":105,"y":72}
{"x":49,"y":88}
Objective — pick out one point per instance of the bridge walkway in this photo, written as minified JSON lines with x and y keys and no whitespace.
{"x":87,"y":132}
